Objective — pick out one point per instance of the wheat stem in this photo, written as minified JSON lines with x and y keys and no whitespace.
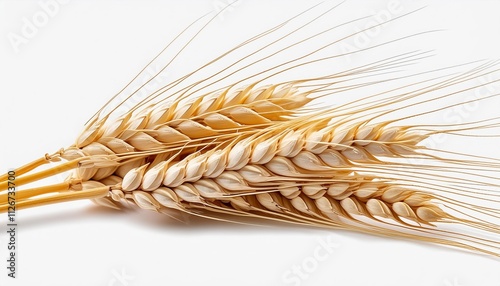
{"x":29,"y":193}
{"x":94,"y":193}
{"x":29,"y":178}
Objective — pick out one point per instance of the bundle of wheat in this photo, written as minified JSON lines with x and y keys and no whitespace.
{"x":262,"y":151}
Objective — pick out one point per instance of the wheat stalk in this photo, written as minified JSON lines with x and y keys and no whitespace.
{"x":260,"y":151}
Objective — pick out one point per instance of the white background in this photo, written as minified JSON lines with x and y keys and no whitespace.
{"x":50,"y":85}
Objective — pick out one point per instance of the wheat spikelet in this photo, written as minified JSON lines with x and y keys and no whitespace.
{"x":260,"y":151}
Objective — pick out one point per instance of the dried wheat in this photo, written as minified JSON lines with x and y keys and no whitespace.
{"x":258,"y":151}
